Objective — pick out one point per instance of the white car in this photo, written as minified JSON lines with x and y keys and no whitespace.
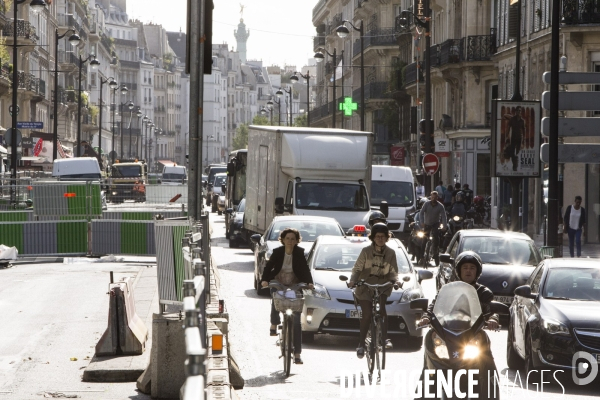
{"x":330,"y":308}
{"x":217,"y":192}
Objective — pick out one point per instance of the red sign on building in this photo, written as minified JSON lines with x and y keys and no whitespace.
{"x":397,"y":155}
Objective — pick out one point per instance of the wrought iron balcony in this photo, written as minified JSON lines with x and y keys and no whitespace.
{"x":413,"y":73}
{"x":374,"y":90}
{"x":576,"y":12}
{"x":68,"y":57}
{"x":451,"y":51}
{"x":479,"y":47}
{"x":376,"y":37}
{"x":318,"y":41}
{"x":321,"y":112}
{"x":24,"y":30}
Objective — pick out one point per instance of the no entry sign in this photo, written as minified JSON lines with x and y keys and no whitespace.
{"x":430,"y":163}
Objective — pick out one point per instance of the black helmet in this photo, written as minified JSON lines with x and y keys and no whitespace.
{"x":468,"y":257}
{"x":460,"y":196}
{"x":377,"y":217}
{"x":379,"y":228}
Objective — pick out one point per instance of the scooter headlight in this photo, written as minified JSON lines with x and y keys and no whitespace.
{"x":420,"y":234}
{"x":456,"y":218}
{"x":470,"y":352}
{"x":439,"y":347}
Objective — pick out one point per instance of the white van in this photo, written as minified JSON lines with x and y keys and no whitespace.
{"x":174,"y":175}
{"x":3,"y":160}
{"x":394,"y":185}
{"x":77,"y":169}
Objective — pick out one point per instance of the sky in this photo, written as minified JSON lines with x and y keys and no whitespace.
{"x":281,"y":31}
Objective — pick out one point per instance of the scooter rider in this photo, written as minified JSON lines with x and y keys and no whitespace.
{"x":432,"y":215}
{"x":377,"y":217}
{"x":458,"y":207}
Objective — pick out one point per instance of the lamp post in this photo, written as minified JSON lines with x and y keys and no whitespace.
{"x":74,"y":40}
{"x":294,"y":78}
{"x":425,"y":23}
{"x":129,"y":105}
{"x":94,"y":64}
{"x":270,"y":107}
{"x":124,"y":91}
{"x":139,"y":115}
{"x":319,"y":57}
{"x":145,"y":120}
{"x":279,"y":94}
{"x":264,"y":111}
{"x":112,"y":84}
{"x":36,"y":6}
{"x":342,"y":31}
{"x":278,"y":102}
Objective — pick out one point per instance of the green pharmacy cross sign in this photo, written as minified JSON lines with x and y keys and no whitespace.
{"x":348,"y":106}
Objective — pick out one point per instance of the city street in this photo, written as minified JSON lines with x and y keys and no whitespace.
{"x":329,"y":356}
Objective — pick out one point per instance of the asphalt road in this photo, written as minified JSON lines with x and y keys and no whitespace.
{"x":330,"y":357}
{"x":52,"y":318}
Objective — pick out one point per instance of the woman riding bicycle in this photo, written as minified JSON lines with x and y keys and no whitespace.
{"x":288,"y":266}
{"x":376,"y":264}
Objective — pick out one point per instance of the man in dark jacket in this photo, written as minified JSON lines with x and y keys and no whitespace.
{"x":574,"y":222}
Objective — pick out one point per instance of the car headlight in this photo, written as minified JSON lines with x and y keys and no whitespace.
{"x":420,"y":234}
{"x":555,"y":327}
{"x":411,"y":294}
{"x":439,"y":347}
{"x":320,"y":292}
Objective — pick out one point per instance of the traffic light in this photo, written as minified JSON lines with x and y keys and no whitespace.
{"x":423,"y":136}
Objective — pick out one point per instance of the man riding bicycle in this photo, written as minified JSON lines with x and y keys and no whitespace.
{"x":376,"y":264}
{"x":431,"y":216}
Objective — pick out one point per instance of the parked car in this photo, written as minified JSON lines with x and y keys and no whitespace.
{"x":211,"y":171}
{"x":235,"y":231}
{"x":330,"y":307}
{"x":310,"y":228}
{"x":555,"y":315}
{"x":216,"y":191}
{"x":508,"y":258}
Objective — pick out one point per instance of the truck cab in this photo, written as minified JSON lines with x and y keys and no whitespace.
{"x":127,"y":181}
{"x":174,"y":175}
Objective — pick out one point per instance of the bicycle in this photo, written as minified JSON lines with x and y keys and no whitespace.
{"x":287,"y":304}
{"x":375,"y":342}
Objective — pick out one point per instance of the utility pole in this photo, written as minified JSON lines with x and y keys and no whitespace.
{"x":515,"y":182}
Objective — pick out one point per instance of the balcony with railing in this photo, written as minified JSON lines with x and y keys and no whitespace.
{"x":25,"y":31}
{"x":376,"y":37}
{"x":480,"y":47}
{"x":130,"y":85}
{"x":374,"y":90}
{"x":159,"y":109}
{"x":68,"y":57}
{"x":577,"y":12}
{"x":321,"y":111}
{"x":30,"y":83}
{"x":178,"y":127}
{"x":334,"y":23}
{"x":107,"y":43}
{"x":125,"y":42}
{"x":130,"y":64}
{"x":413,"y":73}
{"x":318,"y":41}
{"x":178,"y":106}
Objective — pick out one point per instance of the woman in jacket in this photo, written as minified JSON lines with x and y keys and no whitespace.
{"x":376,"y":264}
{"x":574,"y":222}
{"x":287,"y":265}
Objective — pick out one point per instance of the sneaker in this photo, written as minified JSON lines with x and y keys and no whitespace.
{"x":298,"y":360}
{"x":388,"y":344}
{"x":360,"y":352}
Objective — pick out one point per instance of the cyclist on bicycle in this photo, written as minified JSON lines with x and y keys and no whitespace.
{"x":288,"y":266}
{"x":431,"y":216}
{"x":376,"y":264}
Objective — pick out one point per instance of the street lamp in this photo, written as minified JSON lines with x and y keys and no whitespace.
{"x":294,"y":78}
{"x":74,"y":40}
{"x":36,"y":7}
{"x":270,"y":104}
{"x":270,"y":107}
{"x":264,"y":111}
{"x":319,"y":57}
{"x":131,"y":107}
{"x":94,"y":64}
{"x":145,"y":120}
{"x":111,"y":83}
{"x":279,"y":94}
{"x":121,"y":104}
{"x":124,"y":91}
{"x":342,"y":31}
{"x":139,"y":115}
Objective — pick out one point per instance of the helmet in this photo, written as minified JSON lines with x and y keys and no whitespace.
{"x":478,"y":201}
{"x":421,"y":203}
{"x":460,"y":196}
{"x":468,"y":257}
{"x":379,"y":228}
{"x":377,"y":217}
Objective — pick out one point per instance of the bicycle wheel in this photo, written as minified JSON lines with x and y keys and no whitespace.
{"x":370,"y":347}
{"x":288,"y":345}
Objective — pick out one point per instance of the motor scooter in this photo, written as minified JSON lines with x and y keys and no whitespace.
{"x":456,"y":345}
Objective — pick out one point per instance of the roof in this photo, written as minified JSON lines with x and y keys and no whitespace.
{"x":289,"y":129}
{"x":303,"y":218}
{"x":495,"y":233}
{"x":177,"y":41}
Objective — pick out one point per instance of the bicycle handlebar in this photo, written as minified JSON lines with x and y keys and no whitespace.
{"x":378,"y":285}
{"x":275,"y":284}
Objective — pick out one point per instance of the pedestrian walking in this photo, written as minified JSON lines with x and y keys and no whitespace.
{"x":440,"y":188}
{"x":574,"y":222}
{"x":448,"y":194}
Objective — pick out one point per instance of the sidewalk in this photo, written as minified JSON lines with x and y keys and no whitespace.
{"x":129,"y":368}
{"x":591,"y":250}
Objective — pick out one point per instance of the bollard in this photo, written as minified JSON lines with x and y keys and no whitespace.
{"x":198,"y":267}
{"x":188,"y":289}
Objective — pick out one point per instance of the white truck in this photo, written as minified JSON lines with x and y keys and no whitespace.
{"x":394,"y":184}
{"x":307,"y":171}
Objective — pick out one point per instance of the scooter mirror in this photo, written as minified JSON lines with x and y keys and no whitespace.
{"x":419,"y":304}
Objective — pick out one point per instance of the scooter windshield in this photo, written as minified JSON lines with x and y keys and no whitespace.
{"x":457,"y":306}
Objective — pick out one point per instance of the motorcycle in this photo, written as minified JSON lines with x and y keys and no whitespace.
{"x":457,"y":344}
{"x":418,"y":239}
{"x":480,"y":212}
{"x":429,"y":252}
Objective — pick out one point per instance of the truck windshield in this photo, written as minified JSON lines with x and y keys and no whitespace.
{"x":331,"y":196}
{"x":126,"y":171}
{"x":173,"y":177}
{"x":397,"y":194}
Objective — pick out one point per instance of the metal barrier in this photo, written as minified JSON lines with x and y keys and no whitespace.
{"x":142,"y":214}
{"x":53,"y":198}
{"x":163,"y":194}
{"x":42,"y":238}
{"x":118,"y":193}
{"x":122,"y":237}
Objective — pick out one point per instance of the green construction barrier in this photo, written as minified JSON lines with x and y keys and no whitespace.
{"x":13,"y":216}
{"x":133,"y":238}
{"x":72,"y":237}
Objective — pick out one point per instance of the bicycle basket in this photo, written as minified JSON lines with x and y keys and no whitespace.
{"x":283,"y":303}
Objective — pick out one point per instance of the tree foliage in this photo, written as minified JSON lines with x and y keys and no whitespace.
{"x":240,"y":140}
{"x":301,"y":120}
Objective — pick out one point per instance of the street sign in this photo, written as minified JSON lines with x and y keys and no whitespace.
{"x":442,"y":147}
{"x":27,"y":143}
{"x":30,"y":125}
{"x":397,"y":155}
{"x":574,"y":78}
{"x":573,"y":127}
{"x":8,"y":137}
{"x":430,"y":163}
{"x":583,"y":101}
{"x":574,"y":153}
{"x":348,"y":106}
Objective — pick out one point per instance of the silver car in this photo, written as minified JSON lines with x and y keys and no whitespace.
{"x":330,"y":307}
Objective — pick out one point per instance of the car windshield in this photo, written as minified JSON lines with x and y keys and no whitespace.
{"x":241,"y":206}
{"x":397,"y":194}
{"x":457,"y":306}
{"x":573,"y":283}
{"x":342,"y":256}
{"x":174,"y":177}
{"x":499,"y":250}
{"x":126,"y":171}
{"x":80,"y":176}
{"x":309,"y":230}
{"x":220,"y":180}
{"x":331,"y":196}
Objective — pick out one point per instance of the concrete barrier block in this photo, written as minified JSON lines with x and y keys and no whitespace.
{"x":168,"y":356}
{"x":222,"y":324}
{"x":217,"y":377}
{"x":218,"y":393}
{"x":217,"y":362}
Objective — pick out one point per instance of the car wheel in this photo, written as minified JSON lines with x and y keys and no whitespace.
{"x":513,"y":359}
{"x":308,"y":337}
{"x":255,"y":284}
{"x":233,"y":243}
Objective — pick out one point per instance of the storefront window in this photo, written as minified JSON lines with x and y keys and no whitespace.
{"x":592,"y":202}
{"x":484,"y":183}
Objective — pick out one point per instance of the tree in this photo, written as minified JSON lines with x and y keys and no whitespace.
{"x":240,"y":140}
{"x":301,"y":120}
{"x":260,"y":120}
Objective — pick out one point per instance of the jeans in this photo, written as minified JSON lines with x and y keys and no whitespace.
{"x":276,"y":320}
{"x":575,"y":236}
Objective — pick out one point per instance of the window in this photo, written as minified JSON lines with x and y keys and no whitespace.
{"x":536,"y":278}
